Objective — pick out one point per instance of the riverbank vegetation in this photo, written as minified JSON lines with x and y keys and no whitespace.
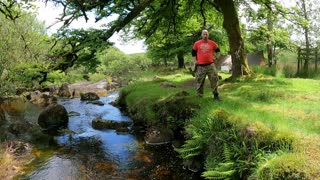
{"x":266,"y":127}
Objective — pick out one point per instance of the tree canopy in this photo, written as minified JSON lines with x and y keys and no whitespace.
{"x":170,"y":27}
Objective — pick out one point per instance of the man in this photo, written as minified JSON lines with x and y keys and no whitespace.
{"x":203,"y":56}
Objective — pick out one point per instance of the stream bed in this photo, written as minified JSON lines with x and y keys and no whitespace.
{"x":86,"y":153}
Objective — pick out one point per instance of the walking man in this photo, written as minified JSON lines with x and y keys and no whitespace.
{"x":203,"y":55}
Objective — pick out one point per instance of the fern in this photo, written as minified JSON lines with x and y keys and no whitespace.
{"x":218,"y":174}
{"x":223,"y":170}
{"x":192,"y":147}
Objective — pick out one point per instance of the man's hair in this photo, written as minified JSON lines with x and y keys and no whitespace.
{"x":204,"y":31}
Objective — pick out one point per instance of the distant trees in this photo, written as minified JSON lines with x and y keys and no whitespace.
{"x":306,"y":21}
{"x":23,"y":40}
{"x":118,"y":64}
{"x":265,"y":28}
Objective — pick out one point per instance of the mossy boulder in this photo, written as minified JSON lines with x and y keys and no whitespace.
{"x":90,"y":96}
{"x":99,"y":103}
{"x":99,"y":123}
{"x":64,"y":90}
{"x":53,"y":117}
{"x":158,"y":136}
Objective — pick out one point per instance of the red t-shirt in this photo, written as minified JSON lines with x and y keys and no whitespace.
{"x":205,"y":50}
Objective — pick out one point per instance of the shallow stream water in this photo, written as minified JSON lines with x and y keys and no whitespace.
{"x":86,"y":153}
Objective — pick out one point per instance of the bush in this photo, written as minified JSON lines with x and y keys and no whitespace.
{"x":289,"y":71}
{"x":55,"y":77}
{"x":27,"y":75}
{"x":271,"y":71}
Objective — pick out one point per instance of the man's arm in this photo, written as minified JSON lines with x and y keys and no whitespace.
{"x":194,"y":55}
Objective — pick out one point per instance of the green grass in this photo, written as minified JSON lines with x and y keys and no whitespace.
{"x":279,"y":102}
{"x":258,"y":118}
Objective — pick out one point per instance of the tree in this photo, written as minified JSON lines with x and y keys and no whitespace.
{"x":305,"y":19}
{"x":264,"y":30}
{"x":173,"y":34}
{"x":77,"y":47}
{"x":23,"y":40}
{"x":232,"y":26}
{"x":130,"y":10}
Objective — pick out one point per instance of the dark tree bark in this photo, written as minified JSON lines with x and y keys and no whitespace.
{"x":231,"y":25}
{"x":180,"y":57}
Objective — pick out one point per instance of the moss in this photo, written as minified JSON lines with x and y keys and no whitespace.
{"x":175,"y":110}
{"x":286,"y":166}
{"x":141,"y":112}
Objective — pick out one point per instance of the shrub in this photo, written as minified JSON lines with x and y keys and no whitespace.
{"x":27,"y":75}
{"x":270,"y":71}
{"x":289,"y":71}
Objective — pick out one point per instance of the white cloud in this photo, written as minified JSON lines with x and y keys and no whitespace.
{"x":50,"y":13}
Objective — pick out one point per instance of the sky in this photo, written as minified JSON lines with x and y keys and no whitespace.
{"x":49,"y":13}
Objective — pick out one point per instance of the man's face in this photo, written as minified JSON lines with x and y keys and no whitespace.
{"x":205,"y":35}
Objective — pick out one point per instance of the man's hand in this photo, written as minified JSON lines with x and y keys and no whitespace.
{"x":218,"y":55}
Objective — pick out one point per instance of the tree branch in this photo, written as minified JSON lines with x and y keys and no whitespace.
{"x":121,"y":22}
{"x":202,"y":13}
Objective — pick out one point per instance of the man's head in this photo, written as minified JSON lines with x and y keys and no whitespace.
{"x":205,"y":34}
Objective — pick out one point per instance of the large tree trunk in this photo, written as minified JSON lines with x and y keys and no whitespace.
{"x":180,"y":59}
{"x":231,"y":25}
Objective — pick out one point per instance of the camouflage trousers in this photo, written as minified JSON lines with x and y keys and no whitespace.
{"x":201,"y":73}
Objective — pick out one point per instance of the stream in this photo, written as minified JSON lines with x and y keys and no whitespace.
{"x":86,"y":153}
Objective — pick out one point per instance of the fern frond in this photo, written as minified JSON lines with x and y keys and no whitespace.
{"x":217,"y":174}
{"x":224,"y":170}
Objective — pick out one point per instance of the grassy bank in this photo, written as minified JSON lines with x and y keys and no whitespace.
{"x":265,"y":127}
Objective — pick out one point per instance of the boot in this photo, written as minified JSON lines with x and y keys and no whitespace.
{"x":216,"y":97}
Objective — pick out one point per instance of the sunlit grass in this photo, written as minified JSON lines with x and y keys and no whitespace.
{"x":283,"y":113}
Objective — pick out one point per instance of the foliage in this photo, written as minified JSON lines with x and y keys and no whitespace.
{"x":55,"y":78}
{"x":175,"y":32}
{"x":223,"y":170}
{"x":23,"y":43}
{"x":77,"y":47}
{"x":7,"y":88}
{"x":116,"y":63}
{"x":289,"y":71}
{"x":305,"y":19}
{"x":27,"y":75}
{"x":171,"y":14}
{"x":271,"y":71}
